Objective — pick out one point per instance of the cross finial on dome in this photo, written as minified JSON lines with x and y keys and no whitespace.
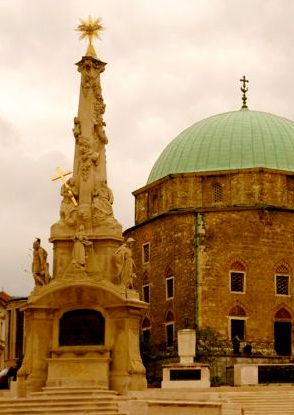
{"x":244,"y":89}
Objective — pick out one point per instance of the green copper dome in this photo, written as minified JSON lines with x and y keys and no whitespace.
{"x":233,"y":140}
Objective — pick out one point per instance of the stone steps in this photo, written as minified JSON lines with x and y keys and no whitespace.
{"x":254,"y":400}
{"x":63,"y":401}
{"x":82,"y":401}
{"x":275,"y":402}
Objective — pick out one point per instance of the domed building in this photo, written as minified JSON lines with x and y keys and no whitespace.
{"x":214,"y":227}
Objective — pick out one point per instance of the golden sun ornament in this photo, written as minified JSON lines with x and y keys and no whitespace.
{"x":90,"y":28}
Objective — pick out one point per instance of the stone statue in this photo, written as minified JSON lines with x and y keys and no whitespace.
{"x":102,"y":203}
{"x":40,"y":266}
{"x":79,"y":250}
{"x":125,"y":263}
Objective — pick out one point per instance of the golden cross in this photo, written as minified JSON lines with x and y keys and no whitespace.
{"x":61,"y":175}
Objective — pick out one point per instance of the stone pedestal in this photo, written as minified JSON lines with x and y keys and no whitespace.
{"x":245,"y":374}
{"x":79,"y":366}
{"x":186,"y":374}
{"x":53,"y":357}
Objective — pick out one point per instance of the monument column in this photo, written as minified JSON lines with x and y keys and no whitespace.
{"x":87,"y":234}
{"x":93,"y":275}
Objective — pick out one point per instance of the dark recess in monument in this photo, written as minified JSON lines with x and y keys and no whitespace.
{"x":276,"y":374}
{"x":81,"y":328}
{"x":185,"y":374}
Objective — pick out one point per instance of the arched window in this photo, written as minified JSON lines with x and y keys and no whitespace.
{"x":282,"y":279}
{"x":237,"y":277}
{"x":217,"y":192}
{"x":146,"y":253}
{"x":237,"y":318}
{"x":170,"y":328}
{"x":169,"y":284}
{"x":146,"y":288}
{"x":81,"y":327}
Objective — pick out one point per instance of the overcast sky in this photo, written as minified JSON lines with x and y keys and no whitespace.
{"x":170,"y":64}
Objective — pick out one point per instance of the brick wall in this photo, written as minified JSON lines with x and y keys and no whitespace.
{"x":253,"y":223}
{"x":171,"y":241}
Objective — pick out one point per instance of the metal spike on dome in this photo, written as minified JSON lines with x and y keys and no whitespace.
{"x":244,"y":89}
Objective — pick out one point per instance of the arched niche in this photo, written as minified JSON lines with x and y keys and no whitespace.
{"x":81,"y":327}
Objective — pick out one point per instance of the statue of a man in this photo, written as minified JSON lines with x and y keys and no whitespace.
{"x":79,"y":250}
{"x":125,"y":263}
{"x":40,"y":266}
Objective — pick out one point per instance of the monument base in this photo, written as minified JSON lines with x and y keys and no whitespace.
{"x":78,"y":366}
{"x":180,"y":375}
{"x":245,"y":374}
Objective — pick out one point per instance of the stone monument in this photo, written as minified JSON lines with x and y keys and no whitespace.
{"x":82,"y":324}
{"x":186,"y":373}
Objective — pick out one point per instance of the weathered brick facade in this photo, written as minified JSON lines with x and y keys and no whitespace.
{"x":202,"y":227}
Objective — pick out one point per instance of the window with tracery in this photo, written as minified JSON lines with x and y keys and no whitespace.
{"x":217,"y":192}
{"x":282,"y":284}
{"x":146,"y":253}
{"x":237,"y":277}
{"x":282,"y":280}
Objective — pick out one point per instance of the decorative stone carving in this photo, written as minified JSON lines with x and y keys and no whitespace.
{"x":87,"y":157}
{"x":99,"y":131}
{"x":79,"y":250}
{"x":125,"y":263}
{"x":77,"y":128}
{"x":40,"y":266}
{"x":90,"y":70}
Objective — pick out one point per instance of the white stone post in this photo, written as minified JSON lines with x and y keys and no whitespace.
{"x":186,"y":345}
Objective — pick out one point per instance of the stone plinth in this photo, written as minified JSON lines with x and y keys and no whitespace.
{"x":186,"y":376}
{"x":245,"y":374}
{"x":78,"y":366}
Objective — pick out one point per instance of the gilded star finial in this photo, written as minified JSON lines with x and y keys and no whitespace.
{"x":244,"y":89}
{"x":90,"y":29}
